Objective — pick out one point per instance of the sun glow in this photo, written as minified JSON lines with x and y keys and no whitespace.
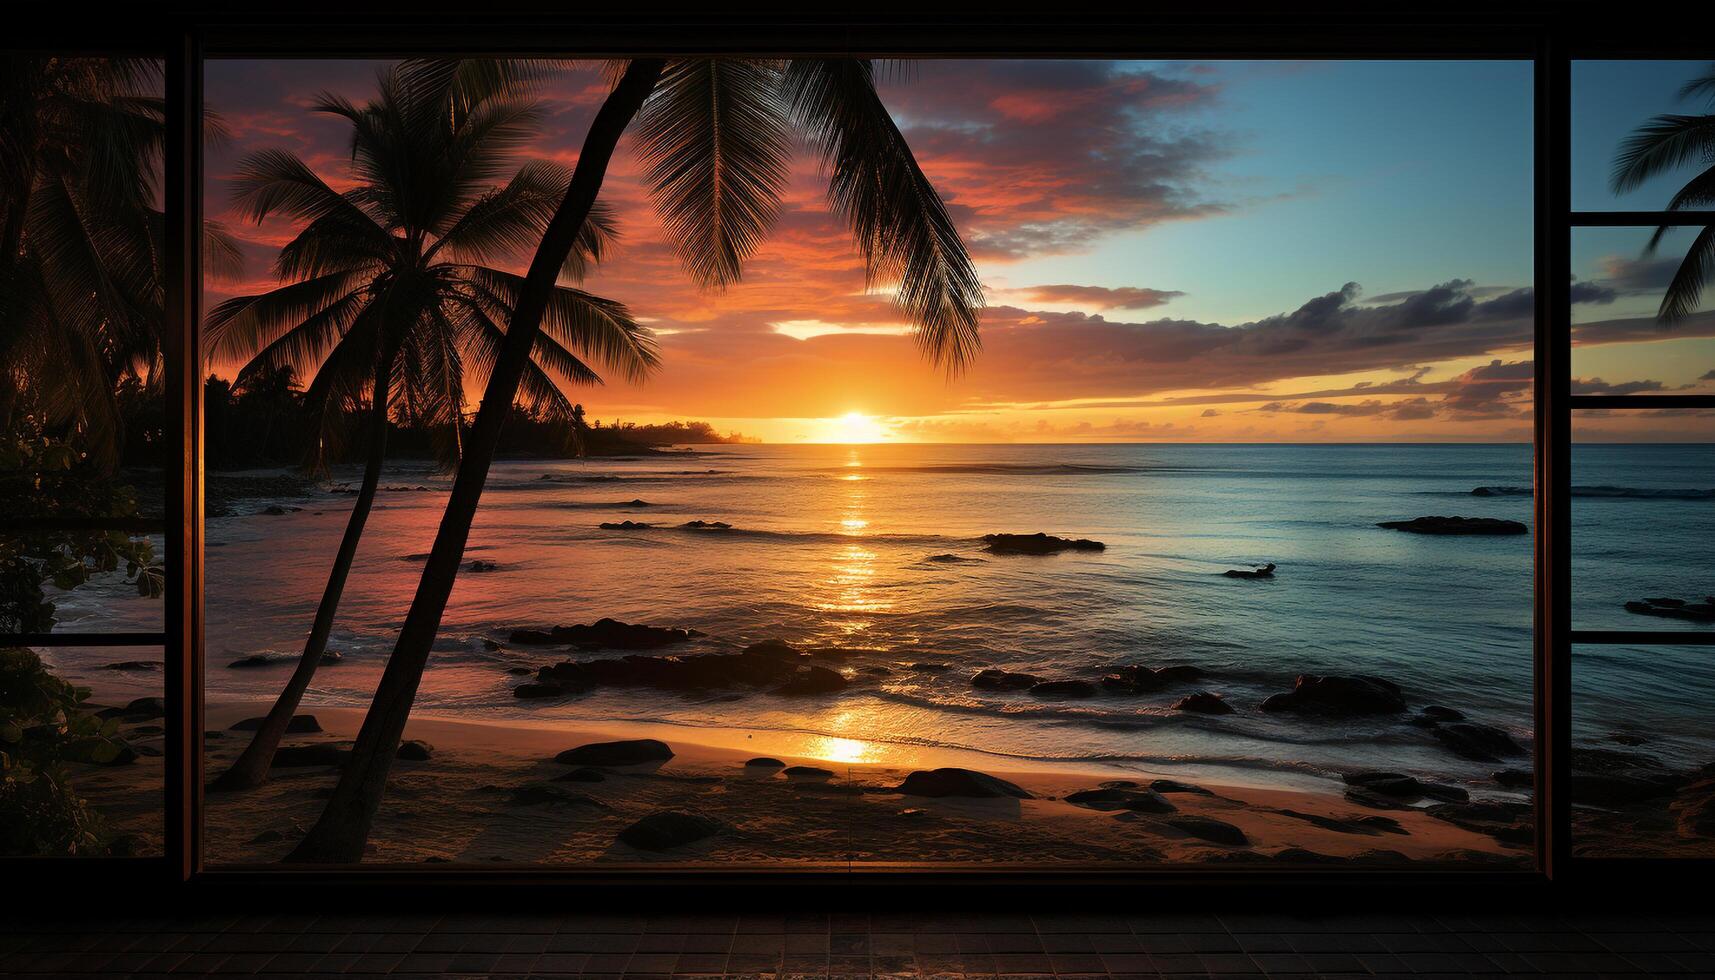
{"x":855,"y":427}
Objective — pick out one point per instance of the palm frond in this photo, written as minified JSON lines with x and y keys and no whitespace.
{"x":897,"y":218}
{"x":598,"y":329}
{"x":1663,"y":144}
{"x":1695,"y":270}
{"x":715,"y":146}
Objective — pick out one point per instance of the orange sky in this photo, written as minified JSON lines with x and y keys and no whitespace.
{"x":1083,"y":193}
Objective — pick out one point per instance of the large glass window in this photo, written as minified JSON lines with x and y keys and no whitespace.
{"x":1217,"y":550}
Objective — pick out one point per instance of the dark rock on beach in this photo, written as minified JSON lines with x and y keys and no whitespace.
{"x":1037,"y":544}
{"x":625,"y":526}
{"x":1118,"y":798}
{"x":808,"y":772}
{"x":667,"y":829}
{"x":538,"y":691}
{"x":1210,"y":829}
{"x":960,"y":782}
{"x":1260,"y":571}
{"x":479,"y":565}
{"x":414,"y":750}
{"x":1403,"y":787}
{"x":299,"y":725}
{"x":1204,"y":703}
{"x":605,"y":634}
{"x":1616,"y":778}
{"x":1509,"y":823}
{"x":1338,"y":697}
{"x":995,"y":679}
{"x":629,"y":752}
{"x":1456,"y":525}
{"x":763,"y":762}
{"x":1696,"y":612}
{"x":1175,"y":786}
{"x":1514,"y":778}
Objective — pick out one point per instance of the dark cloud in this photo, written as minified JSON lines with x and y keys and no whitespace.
{"x":1596,"y":386}
{"x":1638,"y":275}
{"x":1101,"y":297}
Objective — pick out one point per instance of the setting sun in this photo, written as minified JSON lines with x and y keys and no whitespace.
{"x":855,"y":427}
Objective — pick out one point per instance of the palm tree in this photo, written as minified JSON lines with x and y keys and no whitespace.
{"x":1659,"y":146}
{"x":385,"y":292}
{"x":80,"y":281}
{"x":715,"y":136}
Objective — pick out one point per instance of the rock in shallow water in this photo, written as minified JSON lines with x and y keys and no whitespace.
{"x":1064,"y":689}
{"x":1479,"y":743}
{"x":995,"y":679}
{"x":668,"y":829}
{"x":1697,"y":612}
{"x":1456,"y":525}
{"x":1338,"y":697}
{"x":960,"y":782}
{"x":1203,"y":703}
{"x":629,"y":752}
{"x":1037,"y":544}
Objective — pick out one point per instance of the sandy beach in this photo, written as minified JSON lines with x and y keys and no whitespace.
{"x":492,"y":793}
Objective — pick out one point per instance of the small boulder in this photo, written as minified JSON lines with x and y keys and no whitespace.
{"x":1479,"y":743}
{"x":1259,"y":571}
{"x":815,"y":773}
{"x":625,"y":526}
{"x":1175,"y":786}
{"x":811,"y":679}
{"x":1037,"y":544}
{"x":414,"y":750}
{"x":536,"y":691}
{"x":1135,"y":800}
{"x":1203,"y":703}
{"x":134,"y":665}
{"x":1338,"y":697}
{"x":1514,"y":778}
{"x":629,"y":752}
{"x":1456,"y":525}
{"x":960,"y":782}
{"x":479,"y":565}
{"x":995,"y":679}
{"x":763,"y":762}
{"x":667,"y":829}
{"x":1210,"y":829}
{"x":254,"y":660}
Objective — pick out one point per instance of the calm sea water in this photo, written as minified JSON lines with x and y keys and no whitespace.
{"x":830,"y":545}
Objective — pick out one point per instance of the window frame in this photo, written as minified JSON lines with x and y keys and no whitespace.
{"x":1551,"y":37}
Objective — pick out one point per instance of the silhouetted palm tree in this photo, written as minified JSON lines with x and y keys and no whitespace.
{"x":386,"y":292}
{"x":1659,"y":146}
{"x":715,"y":136}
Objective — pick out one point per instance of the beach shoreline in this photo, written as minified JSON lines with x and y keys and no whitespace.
{"x":490,"y":793}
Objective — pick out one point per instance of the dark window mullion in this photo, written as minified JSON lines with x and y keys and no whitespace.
{"x":1642,"y":219}
{"x":1577,"y":402}
{"x":1654,"y":638}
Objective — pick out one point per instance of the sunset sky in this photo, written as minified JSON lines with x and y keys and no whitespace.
{"x":1201,"y":252}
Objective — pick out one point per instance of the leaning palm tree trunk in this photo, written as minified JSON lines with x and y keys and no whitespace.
{"x":342,"y":830}
{"x":251,"y":768}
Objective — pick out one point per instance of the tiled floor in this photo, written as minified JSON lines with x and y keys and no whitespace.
{"x":842,"y":945}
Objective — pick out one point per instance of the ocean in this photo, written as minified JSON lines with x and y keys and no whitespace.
{"x":878,"y":547}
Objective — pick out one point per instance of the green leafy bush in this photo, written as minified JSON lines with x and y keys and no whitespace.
{"x":43,"y":727}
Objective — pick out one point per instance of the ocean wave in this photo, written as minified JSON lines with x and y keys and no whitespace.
{"x":713,"y":531}
{"x":1008,"y":469}
{"x":1630,"y":493}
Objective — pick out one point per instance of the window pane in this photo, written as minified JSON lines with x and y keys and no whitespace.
{"x":1643,"y":512}
{"x":1611,"y":102}
{"x":82,"y":729}
{"x":1643,"y":755}
{"x":1623,"y":342}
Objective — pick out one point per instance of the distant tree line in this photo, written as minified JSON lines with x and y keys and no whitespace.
{"x":262,"y":423}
